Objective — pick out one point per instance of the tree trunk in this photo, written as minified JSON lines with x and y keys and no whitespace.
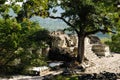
{"x":80,"y":55}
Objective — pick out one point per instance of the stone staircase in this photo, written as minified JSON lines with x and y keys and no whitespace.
{"x":89,"y":54}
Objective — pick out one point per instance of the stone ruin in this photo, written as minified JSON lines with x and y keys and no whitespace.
{"x":67,"y":44}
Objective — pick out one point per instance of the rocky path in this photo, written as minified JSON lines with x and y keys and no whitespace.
{"x":109,"y":64}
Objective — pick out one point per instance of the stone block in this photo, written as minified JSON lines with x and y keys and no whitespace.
{"x":101,"y":50}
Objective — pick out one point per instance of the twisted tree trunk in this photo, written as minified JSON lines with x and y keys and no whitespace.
{"x":80,"y":55}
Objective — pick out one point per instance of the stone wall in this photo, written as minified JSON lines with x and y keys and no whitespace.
{"x":93,"y":46}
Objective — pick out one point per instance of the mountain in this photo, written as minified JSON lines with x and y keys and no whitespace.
{"x":50,"y":24}
{"x":55,"y":24}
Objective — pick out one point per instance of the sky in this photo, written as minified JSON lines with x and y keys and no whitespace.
{"x":58,"y":13}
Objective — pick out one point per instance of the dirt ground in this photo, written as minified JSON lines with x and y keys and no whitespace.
{"x":108,"y":64}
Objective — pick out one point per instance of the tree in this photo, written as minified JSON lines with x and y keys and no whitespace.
{"x":15,"y":36}
{"x":28,"y":8}
{"x":32,"y":8}
{"x":113,"y":43}
{"x":115,"y":38}
{"x":18,"y":34}
{"x":85,"y":17}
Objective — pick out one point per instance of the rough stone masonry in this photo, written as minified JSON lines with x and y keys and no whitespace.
{"x":93,"y":45}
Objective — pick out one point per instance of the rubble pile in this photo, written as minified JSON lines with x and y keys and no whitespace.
{"x":64,"y":47}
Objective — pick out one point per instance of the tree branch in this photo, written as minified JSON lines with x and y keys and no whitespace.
{"x":65,"y":22}
{"x":99,"y":30}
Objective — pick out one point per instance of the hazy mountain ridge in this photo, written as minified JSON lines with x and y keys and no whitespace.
{"x":55,"y":24}
{"x":50,"y":24}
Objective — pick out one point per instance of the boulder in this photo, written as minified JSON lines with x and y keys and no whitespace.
{"x":101,"y":50}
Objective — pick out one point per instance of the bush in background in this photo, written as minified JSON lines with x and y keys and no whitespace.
{"x":114,"y":43}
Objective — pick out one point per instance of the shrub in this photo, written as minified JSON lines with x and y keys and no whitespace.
{"x":114,"y":43}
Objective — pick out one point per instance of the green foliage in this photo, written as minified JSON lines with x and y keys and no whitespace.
{"x":114,"y":43}
{"x":28,"y":9}
{"x":104,"y":40}
{"x":115,"y":39}
{"x":19,"y":43}
{"x":85,"y":17}
{"x":2,"y":1}
{"x":16,"y":8}
{"x":20,"y":39}
{"x":4,"y":10}
{"x":31,"y":8}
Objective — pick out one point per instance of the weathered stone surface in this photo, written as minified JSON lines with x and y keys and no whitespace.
{"x":61,"y":40}
{"x":101,"y":50}
{"x":67,"y":44}
{"x":89,"y":54}
{"x":94,"y":40}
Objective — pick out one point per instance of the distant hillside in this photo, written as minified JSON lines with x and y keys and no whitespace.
{"x":55,"y":24}
{"x":50,"y":24}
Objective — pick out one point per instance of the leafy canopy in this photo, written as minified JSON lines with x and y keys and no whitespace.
{"x":86,"y":16}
